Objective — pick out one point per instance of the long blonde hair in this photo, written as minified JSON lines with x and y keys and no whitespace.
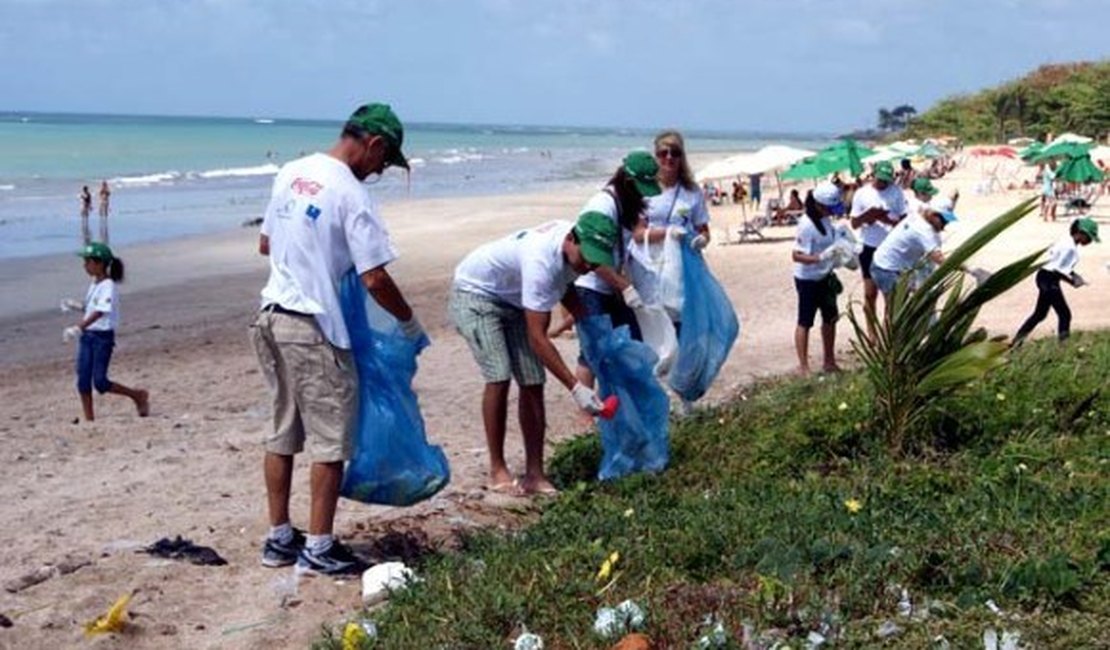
{"x":674,"y":138}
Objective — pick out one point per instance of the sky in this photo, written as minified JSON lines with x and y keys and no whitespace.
{"x":812,"y":66}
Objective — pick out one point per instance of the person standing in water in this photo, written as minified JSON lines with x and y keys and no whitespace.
{"x":105,"y":195}
{"x":86,"y":208}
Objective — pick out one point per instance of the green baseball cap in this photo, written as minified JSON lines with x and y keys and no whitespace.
{"x":597,"y":236}
{"x":379,"y":119}
{"x":642,"y":168}
{"x":883,"y":171}
{"x":1088,"y":227}
{"x":923,"y":185}
{"x":96,"y":251}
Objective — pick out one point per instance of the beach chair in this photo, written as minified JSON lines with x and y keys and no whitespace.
{"x":752,"y":228}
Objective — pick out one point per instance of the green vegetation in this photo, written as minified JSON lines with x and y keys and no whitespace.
{"x":1051,"y":100}
{"x":784,"y":511}
{"x":927,"y":348}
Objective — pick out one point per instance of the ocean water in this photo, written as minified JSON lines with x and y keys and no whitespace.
{"x":177,"y":176}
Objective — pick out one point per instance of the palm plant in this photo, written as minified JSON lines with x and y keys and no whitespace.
{"x":919,"y":353}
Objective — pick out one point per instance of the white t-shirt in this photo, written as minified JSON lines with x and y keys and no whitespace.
{"x":321,"y":223}
{"x":1063,"y":256}
{"x":891,"y":199}
{"x":526,"y":269}
{"x":604,"y":203}
{"x":810,"y":241}
{"x":914,"y":205}
{"x":677,"y":206}
{"x":906,"y":244}
{"x":104,"y":298}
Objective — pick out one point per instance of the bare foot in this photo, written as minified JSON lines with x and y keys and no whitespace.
{"x":831,"y":368}
{"x":501,"y":480}
{"x":802,"y":371}
{"x":509,"y":488}
{"x":538,"y":485}
{"x":142,"y":403}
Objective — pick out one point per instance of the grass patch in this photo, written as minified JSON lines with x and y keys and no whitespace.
{"x":783,"y":513}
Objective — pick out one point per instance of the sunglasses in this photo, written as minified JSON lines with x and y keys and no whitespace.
{"x":668,"y":152}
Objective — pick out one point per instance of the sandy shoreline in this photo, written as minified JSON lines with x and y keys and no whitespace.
{"x":98,"y":491}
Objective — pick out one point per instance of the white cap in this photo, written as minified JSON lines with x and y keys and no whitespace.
{"x":827,"y":194}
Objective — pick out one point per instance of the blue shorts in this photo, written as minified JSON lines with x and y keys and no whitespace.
{"x":94,"y":351}
{"x":595,"y":303}
{"x":884,"y":279}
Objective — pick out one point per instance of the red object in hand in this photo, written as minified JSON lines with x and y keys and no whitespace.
{"x":609,"y":407}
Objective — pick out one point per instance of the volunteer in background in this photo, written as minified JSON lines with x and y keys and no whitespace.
{"x":814,"y":280}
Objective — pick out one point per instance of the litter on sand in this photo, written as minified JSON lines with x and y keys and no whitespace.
{"x":115,"y":620}
{"x":184,"y":549}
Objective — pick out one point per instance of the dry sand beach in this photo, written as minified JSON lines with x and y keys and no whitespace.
{"x":95,"y":492}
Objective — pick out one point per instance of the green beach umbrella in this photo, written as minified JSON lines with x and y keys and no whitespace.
{"x":803,"y":170}
{"x":845,"y":154}
{"x":1027,"y":154}
{"x":1079,"y":169}
{"x":928,"y":150}
{"x":1063,"y":150}
{"x":841,"y":155}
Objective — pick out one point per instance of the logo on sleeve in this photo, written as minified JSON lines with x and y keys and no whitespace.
{"x":312,"y":212}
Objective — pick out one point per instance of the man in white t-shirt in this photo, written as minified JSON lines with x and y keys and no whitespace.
{"x":320,"y":223}
{"x":501,"y":302}
{"x":907,"y":245}
{"x":921,"y":195}
{"x":876,"y":208}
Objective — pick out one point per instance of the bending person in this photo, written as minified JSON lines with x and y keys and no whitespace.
{"x":1062,"y":260}
{"x":913,"y":242}
{"x":501,"y":302}
{"x":607,"y":291}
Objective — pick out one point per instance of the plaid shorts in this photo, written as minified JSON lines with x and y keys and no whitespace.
{"x":498,"y":338}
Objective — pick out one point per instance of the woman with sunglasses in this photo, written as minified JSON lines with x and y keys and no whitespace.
{"x":680,"y":206}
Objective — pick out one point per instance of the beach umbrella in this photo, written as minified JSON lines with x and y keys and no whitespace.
{"x":1071,"y":137}
{"x":774,"y":156}
{"x":804,"y":170}
{"x":1029,"y":152}
{"x":1079,"y":169}
{"x":928,"y":150}
{"x":1063,"y":149}
{"x":843,"y":154}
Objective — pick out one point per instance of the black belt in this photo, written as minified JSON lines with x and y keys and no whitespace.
{"x":278,"y":309}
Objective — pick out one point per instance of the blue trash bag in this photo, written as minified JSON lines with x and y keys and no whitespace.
{"x":392,"y":462}
{"x":636,"y":438}
{"x":709,"y":328}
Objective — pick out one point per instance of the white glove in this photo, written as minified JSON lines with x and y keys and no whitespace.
{"x":676,"y":232}
{"x":632,"y":297}
{"x":699,"y":242}
{"x":1077,"y":280}
{"x":411,"y":328}
{"x":69,"y":304}
{"x":586,"y":399}
{"x":70,"y":333}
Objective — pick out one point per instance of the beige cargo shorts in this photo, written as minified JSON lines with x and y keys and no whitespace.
{"x":314,"y":386}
